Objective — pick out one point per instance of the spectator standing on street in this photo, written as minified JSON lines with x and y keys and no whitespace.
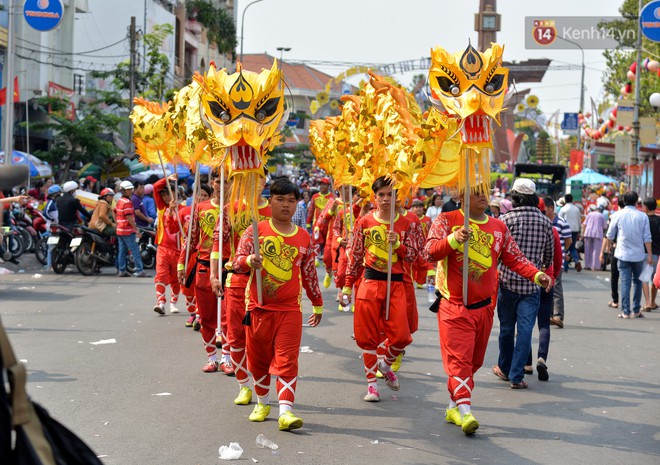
{"x":650,"y":290}
{"x":150,"y":202}
{"x":454,"y":203}
{"x":142,"y":220}
{"x":571,"y":214}
{"x":300,"y":216}
{"x":127,"y":232}
{"x":631,"y":229}
{"x":518,"y":299}
{"x":566,"y":238}
{"x":595,"y":226}
{"x":435,"y":208}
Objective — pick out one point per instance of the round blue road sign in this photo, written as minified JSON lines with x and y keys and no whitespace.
{"x":649,"y":19}
{"x":43,"y":15}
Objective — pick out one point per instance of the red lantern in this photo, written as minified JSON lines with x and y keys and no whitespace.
{"x":633,"y":67}
{"x":619,"y":127}
{"x":610,"y":123}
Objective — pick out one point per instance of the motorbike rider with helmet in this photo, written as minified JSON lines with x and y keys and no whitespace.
{"x":103,"y":219}
{"x":68,"y":206}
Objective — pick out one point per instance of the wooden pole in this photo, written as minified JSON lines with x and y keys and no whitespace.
{"x":466,"y":225}
{"x":221,"y":219}
{"x":192,"y":209}
{"x":389,"y":255}
{"x":169,"y":189}
{"x":255,"y":234}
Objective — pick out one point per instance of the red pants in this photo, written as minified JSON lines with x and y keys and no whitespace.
{"x":233,"y":313}
{"x":189,"y":292}
{"x":411,"y":307}
{"x":328,"y":256}
{"x":166,"y":260}
{"x":463,"y":339}
{"x":340,"y":275}
{"x":207,"y":308}
{"x":273,"y":343}
{"x":370,"y":326}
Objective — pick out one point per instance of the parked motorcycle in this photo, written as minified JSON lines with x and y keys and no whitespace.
{"x":63,"y":239}
{"x":148,"y":247}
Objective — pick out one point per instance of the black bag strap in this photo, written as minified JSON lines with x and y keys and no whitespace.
{"x":23,"y":413}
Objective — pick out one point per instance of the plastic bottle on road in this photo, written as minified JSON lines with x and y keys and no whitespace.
{"x":263,"y":441}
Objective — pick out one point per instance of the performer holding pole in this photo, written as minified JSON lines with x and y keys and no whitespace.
{"x":376,"y":234}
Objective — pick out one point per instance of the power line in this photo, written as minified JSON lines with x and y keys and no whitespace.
{"x":62,"y":52}
{"x":73,"y":68}
{"x":54,"y":53}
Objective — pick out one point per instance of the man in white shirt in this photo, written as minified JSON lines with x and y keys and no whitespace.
{"x":571,"y":214}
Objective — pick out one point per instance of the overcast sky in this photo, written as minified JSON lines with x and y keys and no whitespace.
{"x":387,"y":31}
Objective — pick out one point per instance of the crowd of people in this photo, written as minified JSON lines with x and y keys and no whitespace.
{"x":243,"y":278}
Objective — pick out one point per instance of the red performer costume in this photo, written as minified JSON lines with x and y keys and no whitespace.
{"x":316,"y":205}
{"x":201,"y":243}
{"x":187,"y":289}
{"x":169,"y":248}
{"x":286,"y":266}
{"x":370,"y":247}
{"x":234,"y":302}
{"x":464,"y":330}
{"x":323,"y":225}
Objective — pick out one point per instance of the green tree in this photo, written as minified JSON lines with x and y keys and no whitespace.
{"x":152,"y":83}
{"x":77,"y":139}
{"x":618,"y":61}
{"x":218,"y":23}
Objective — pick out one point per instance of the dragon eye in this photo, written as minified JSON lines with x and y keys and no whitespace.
{"x":268,"y":109}
{"x":454,"y":89}
{"x":495,"y":83}
{"x":219,"y":112}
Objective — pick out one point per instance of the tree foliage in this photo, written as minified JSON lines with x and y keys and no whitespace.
{"x":219,"y":25}
{"x":619,"y":60}
{"x":85,"y":139}
{"x":152,"y":83}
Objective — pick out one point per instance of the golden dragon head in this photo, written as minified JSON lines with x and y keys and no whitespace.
{"x":471,"y":86}
{"x":245,"y":112}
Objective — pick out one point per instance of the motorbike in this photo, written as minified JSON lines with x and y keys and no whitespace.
{"x":148,"y":247}
{"x":94,"y":251}
{"x":62,"y":239}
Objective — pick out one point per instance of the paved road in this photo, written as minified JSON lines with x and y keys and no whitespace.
{"x":601,"y":405}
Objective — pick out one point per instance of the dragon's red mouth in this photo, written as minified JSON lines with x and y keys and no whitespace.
{"x":476,"y":129}
{"x":244,"y":158}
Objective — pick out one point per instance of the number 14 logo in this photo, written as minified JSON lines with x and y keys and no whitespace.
{"x":544,"y":31}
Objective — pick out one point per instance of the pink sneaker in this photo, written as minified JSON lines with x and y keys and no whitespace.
{"x":372,"y":395}
{"x":392,"y":380}
{"x":190,"y":320}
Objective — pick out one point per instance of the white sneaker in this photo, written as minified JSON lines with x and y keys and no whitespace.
{"x":160,"y":309}
{"x":173,"y":308}
{"x":372,"y":395}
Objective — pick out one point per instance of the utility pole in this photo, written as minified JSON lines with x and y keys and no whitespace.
{"x":634,"y":154}
{"x":131,"y":88}
{"x":9,"y":72}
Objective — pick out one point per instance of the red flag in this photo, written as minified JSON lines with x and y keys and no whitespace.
{"x":3,"y":93}
{"x":577,"y":162}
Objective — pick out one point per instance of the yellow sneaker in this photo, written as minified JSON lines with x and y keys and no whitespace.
{"x":469,"y":424}
{"x":327,"y":280}
{"x":259,"y":413}
{"x":397,"y":362}
{"x":316,"y":262}
{"x":453,"y":415}
{"x":244,"y":396}
{"x":379,"y":375}
{"x":289,"y":421}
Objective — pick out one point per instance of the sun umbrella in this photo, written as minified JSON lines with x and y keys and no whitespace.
{"x":589,"y":176}
{"x":38,"y":168}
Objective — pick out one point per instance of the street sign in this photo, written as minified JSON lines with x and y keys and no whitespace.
{"x":570,"y":123}
{"x":293,"y":121}
{"x":649,"y":20}
{"x":43,"y":15}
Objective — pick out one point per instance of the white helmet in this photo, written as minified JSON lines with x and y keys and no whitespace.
{"x":69,"y":186}
{"x":126,"y":185}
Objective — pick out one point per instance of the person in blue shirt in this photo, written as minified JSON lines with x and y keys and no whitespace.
{"x":149,"y":202}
